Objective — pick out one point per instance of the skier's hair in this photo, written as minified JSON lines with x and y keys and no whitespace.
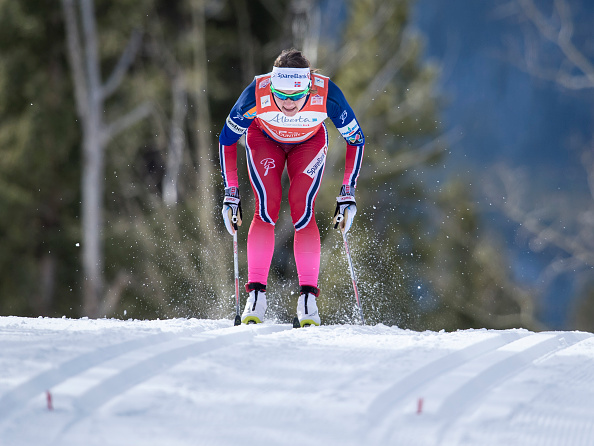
{"x":293,"y":58}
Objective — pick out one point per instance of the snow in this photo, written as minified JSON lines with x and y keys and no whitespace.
{"x":204,"y":382}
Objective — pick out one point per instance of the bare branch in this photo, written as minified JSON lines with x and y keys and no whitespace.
{"x":577,"y":244}
{"x":132,"y":117}
{"x":126,"y":59}
{"x":561,"y":36}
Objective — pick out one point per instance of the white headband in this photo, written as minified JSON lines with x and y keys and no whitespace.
{"x":290,"y":78}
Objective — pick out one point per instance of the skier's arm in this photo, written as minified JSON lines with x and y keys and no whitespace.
{"x":343,"y":117}
{"x":241,"y":116}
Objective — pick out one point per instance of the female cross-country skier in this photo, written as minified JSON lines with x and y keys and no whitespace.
{"x":283,"y":113}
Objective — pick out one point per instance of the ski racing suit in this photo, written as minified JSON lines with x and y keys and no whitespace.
{"x":300,"y":143}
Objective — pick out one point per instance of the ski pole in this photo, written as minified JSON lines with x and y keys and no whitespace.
{"x":236,"y":270}
{"x":353,"y":277}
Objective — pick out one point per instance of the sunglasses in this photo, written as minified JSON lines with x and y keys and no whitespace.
{"x":292,"y":97}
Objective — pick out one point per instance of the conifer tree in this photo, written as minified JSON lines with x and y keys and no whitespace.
{"x":39,"y":164}
{"x":423,"y":258}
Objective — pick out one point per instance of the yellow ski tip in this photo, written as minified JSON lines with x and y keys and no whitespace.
{"x":305,"y":322}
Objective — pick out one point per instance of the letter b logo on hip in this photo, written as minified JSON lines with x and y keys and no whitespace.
{"x":268,"y":164}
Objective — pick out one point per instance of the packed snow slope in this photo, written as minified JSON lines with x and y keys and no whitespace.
{"x":204,"y":382}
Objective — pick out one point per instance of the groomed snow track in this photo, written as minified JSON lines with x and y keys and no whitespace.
{"x":207,"y":382}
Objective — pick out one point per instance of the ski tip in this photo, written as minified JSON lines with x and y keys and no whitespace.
{"x":296,"y":323}
{"x":237,"y":320}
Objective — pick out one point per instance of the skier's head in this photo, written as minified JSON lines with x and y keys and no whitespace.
{"x":291,"y":72}
{"x":291,"y":81}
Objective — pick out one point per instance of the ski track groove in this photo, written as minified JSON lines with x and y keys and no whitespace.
{"x":17,"y":398}
{"x":129,"y":377}
{"x":380,"y":408}
{"x":12,"y":401}
{"x":570,"y":426}
{"x":470,"y":393}
{"x":503,"y":360}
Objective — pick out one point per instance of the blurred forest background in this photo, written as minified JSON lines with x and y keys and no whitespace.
{"x":110,"y":189}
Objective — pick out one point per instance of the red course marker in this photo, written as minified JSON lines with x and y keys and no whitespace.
{"x":50,"y":405}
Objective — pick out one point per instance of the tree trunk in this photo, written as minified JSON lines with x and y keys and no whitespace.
{"x":216,"y":265}
{"x":177,"y":140}
{"x":90,"y":95}
{"x":92,"y":222}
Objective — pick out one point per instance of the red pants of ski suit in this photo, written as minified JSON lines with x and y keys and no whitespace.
{"x":305,"y":162}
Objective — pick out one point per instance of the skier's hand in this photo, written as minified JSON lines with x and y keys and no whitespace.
{"x":346,"y":209}
{"x":232,"y":209}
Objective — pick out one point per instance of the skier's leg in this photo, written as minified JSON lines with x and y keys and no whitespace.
{"x":306,"y":247}
{"x":266,"y":163}
{"x":305,"y":166}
